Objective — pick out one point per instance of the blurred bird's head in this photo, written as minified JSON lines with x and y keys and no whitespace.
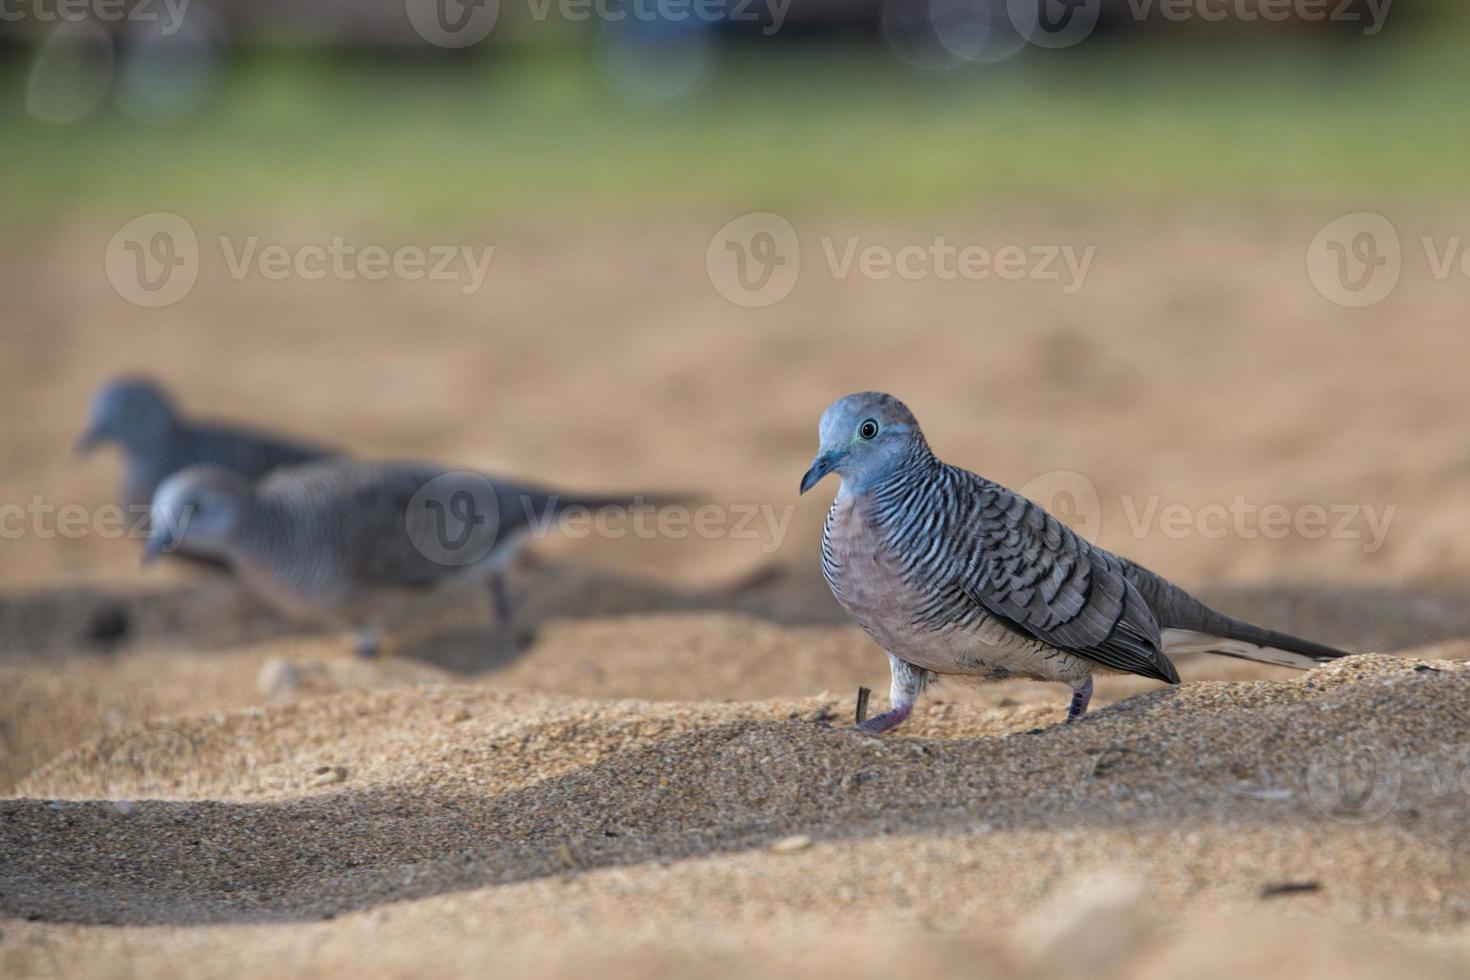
{"x":197,"y":510}
{"x":131,"y":411}
{"x":863,"y":438}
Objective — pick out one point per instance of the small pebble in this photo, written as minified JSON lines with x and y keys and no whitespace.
{"x":327,"y":776}
{"x":278,"y":677}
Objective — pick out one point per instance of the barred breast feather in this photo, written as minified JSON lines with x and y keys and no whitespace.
{"x":965,"y":558}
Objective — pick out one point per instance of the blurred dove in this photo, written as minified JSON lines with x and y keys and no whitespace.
{"x":954,"y":574}
{"x":342,"y":540}
{"x":158,"y":441}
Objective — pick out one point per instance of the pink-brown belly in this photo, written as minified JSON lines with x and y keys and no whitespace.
{"x":868,"y":585}
{"x":281,"y":595}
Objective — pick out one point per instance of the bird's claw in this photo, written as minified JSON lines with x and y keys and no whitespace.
{"x":878,"y":724}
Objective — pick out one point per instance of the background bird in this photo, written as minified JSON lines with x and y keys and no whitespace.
{"x":954,"y":574}
{"x":158,"y":441}
{"x":344,"y":541}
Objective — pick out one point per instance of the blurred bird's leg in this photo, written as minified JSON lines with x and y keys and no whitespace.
{"x":1081,"y":695}
{"x":908,"y":683}
{"x":505,"y":611}
{"x":500,"y":598}
{"x":367,"y":641}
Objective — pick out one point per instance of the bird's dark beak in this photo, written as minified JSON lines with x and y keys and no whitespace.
{"x":160,"y":541}
{"x":89,"y":441}
{"x":821,"y":466}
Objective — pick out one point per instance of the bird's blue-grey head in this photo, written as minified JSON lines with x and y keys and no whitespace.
{"x":864,"y":437}
{"x":133,"y":412}
{"x":198,"y":510}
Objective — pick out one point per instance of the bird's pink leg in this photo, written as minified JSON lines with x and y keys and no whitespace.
{"x":908,"y":684}
{"x":878,"y":724}
{"x":1080,"y":698}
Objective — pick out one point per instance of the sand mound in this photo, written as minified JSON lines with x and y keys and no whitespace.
{"x":654,"y":836}
{"x":1346,"y":778}
{"x":593,"y":633}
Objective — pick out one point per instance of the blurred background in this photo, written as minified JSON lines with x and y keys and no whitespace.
{"x":654,"y":239}
{"x":1164,"y":265}
{"x":593,"y":153}
{"x":597,"y":150}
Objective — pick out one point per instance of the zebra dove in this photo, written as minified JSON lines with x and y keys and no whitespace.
{"x":158,"y":441}
{"x":953,"y":574}
{"x":341,"y":541}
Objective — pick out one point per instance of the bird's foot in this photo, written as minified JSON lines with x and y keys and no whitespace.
{"x":878,"y":724}
{"x":500,"y":598}
{"x":367,"y":644}
{"x":1080,"y":698}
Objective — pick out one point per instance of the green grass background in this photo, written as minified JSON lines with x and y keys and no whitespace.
{"x":521,"y":134}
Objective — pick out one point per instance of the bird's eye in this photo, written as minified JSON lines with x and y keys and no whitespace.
{"x":868,"y":429}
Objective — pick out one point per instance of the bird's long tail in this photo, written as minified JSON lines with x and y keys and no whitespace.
{"x":1250,"y":642}
{"x":1190,"y":626}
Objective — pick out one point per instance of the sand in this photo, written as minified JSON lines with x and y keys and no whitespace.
{"x":649,"y":775}
{"x":477,"y":818}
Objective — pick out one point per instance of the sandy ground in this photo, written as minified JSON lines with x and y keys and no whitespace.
{"x":650,"y":776}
